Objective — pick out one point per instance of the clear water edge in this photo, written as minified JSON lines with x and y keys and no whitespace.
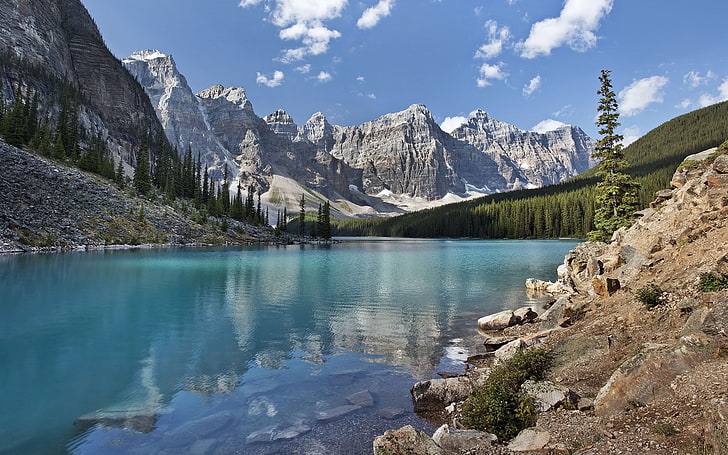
{"x":241,"y":339}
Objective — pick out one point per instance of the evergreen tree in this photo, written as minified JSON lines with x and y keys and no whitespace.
{"x":302,"y":216}
{"x":617,"y":193}
{"x":119,"y":174}
{"x":142,"y":180}
{"x":284,"y":221}
{"x":325,"y":230}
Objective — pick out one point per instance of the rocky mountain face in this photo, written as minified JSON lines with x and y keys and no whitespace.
{"x":396,"y":163}
{"x":45,"y":44}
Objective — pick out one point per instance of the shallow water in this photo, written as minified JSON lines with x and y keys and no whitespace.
{"x":218,"y":350}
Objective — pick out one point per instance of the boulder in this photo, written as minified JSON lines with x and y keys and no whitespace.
{"x":604,"y":287}
{"x":720,"y":164}
{"x":509,"y":350}
{"x":560,"y":314}
{"x":547,"y":395}
{"x":452,"y":440}
{"x":525,"y":315}
{"x":497,"y":321}
{"x":529,"y":439}
{"x":436,"y":394}
{"x":493,"y":343}
{"x":405,"y":441}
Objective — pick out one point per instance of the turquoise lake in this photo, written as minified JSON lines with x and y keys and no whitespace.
{"x":253,"y":350}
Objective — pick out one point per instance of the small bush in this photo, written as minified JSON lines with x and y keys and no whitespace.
{"x":500,"y":407}
{"x":710,"y":282}
{"x":665,"y":429}
{"x":649,"y":295}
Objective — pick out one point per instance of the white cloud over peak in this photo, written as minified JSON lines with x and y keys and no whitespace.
{"x":547,"y":125}
{"x":373,"y":15}
{"x":488,"y":72}
{"x":708,"y":99}
{"x":302,"y":20}
{"x":532,"y":86}
{"x":273,"y":81}
{"x":323,"y":76}
{"x":575,"y":27}
{"x":631,"y":135}
{"x":639,"y":94}
{"x":694,"y":79}
{"x":450,"y":124}
{"x":497,"y":38}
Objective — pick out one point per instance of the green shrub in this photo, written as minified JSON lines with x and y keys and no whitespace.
{"x":649,"y":295}
{"x":710,"y":282}
{"x":500,"y":407}
{"x":665,"y":429}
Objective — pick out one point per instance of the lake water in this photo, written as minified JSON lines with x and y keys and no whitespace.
{"x":242,"y":350}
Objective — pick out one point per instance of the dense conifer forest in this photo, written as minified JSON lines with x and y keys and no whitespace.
{"x":564,"y":210}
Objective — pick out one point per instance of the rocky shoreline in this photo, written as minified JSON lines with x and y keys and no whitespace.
{"x":626,"y":377}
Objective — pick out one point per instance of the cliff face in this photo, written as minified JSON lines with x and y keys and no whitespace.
{"x":61,"y":42}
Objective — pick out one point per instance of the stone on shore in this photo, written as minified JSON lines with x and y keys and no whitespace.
{"x":507,"y":351}
{"x":529,"y":439}
{"x":405,"y":441}
{"x":525,"y":315}
{"x":547,"y":395}
{"x":453,"y":440}
{"x":497,"y":321}
{"x":437,"y":394}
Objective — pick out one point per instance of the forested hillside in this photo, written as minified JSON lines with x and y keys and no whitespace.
{"x":564,"y":210}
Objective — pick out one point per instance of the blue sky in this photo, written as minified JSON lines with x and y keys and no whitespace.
{"x":525,"y":62}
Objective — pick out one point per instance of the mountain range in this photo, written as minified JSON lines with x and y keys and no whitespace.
{"x":396,"y":163}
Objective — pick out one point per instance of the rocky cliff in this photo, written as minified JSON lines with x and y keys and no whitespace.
{"x":398,"y":162}
{"x":46,"y":43}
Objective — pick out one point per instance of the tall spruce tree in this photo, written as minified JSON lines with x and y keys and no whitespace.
{"x":302,"y":216}
{"x":617,"y":194}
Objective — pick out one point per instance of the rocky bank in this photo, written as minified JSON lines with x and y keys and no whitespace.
{"x":47,"y":206}
{"x":626,"y":379}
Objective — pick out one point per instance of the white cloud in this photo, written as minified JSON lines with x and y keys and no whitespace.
{"x":373,"y":15}
{"x":641,"y":93}
{"x":274,"y":81}
{"x":450,"y":124}
{"x":323,"y":76}
{"x":684,"y":104}
{"x":497,"y":37}
{"x":694,"y":79}
{"x":532,"y":86}
{"x":707,"y":99}
{"x":547,"y":125}
{"x":302,"y":20}
{"x":631,"y":135}
{"x":360,"y":78}
{"x":303,"y":69}
{"x":575,"y":27}
{"x":372,"y":96}
{"x":488,"y":71}
{"x":563,"y":111}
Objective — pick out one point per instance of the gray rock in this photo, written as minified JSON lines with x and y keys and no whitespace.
{"x":335,"y":413}
{"x":530,"y":439}
{"x":391,"y":413}
{"x":497,"y":321}
{"x":509,"y":350}
{"x":405,"y":441}
{"x":493,"y":343}
{"x":291,"y":432}
{"x":362,"y":399}
{"x":525,"y":315}
{"x":547,"y":395}
{"x":436,"y":394}
{"x":453,"y":440}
